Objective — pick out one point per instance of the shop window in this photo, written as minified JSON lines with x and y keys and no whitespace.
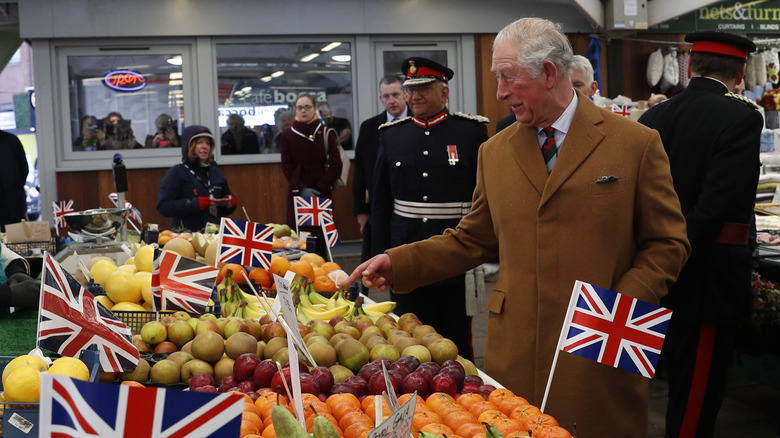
{"x":258,"y":84}
{"x":125,"y":101}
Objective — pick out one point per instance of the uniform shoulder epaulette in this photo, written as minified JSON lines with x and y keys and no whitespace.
{"x":474,"y":117}
{"x":744,"y":99}
{"x":395,"y":122}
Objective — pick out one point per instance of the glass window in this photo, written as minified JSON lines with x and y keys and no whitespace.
{"x":125,"y":101}
{"x":258,"y":84}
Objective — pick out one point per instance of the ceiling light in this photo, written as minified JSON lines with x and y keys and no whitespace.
{"x":309,"y":57}
{"x":342,"y":58}
{"x":276,"y":74}
{"x":266,"y":79}
{"x":331,"y":46}
{"x":175,"y":60}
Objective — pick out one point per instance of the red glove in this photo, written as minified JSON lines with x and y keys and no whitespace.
{"x":232,"y":201}
{"x":204,"y":202}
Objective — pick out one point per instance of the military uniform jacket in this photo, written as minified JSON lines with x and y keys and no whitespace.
{"x":365,"y":158}
{"x":626,"y":234}
{"x":414,"y":164}
{"x":713,"y":143}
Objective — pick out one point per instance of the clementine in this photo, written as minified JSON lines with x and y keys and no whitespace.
{"x":247,"y":427}
{"x":437,"y":398}
{"x":421,"y":419}
{"x":261,"y":277}
{"x":523,"y":413}
{"x":438,"y":429}
{"x":507,"y":405}
{"x":470,"y":430}
{"x":551,"y":432}
{"x":478,"y":408}
{"x":304,"y":268}
{"x":324,"y":284}
{"x":356,"y":430}
{"x":456,"y":419}
{"x":269,"y":432}
{"x":355,"y":417}
{"x":279,"y":265}
{"x":500,"y":394}
{"x":469,"y":399}
{"x":329,"y":266}
{"x":236,"y":270}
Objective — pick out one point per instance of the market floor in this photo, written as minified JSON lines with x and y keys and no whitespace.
{"x":751,"y":407}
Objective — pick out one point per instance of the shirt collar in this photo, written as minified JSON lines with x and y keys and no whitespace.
{"x":390,"y":117}
{"x":564,"y":121}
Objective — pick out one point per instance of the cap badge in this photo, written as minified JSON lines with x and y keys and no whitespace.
{"x":412,"y":67}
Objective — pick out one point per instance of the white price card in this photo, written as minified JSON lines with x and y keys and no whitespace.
{"x":288,"y":314}
{"x":399,"y":423}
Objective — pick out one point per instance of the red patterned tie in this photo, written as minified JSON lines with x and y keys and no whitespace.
{"x":548,"y":148}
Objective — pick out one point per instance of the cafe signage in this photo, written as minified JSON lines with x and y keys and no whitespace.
{"x":746,"y":17}
{"x":124,"y":80}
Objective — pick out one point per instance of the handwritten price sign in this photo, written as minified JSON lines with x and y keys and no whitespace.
{"x":398,"y":424}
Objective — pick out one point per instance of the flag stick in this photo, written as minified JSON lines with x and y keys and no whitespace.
{"x":327,"y":245}
{"x":246,"y":214}
{"x":564,"y":330}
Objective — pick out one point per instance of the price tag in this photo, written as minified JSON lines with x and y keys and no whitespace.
{"x":20,"y":423}
{"x":288,"y":314}
{"x":392,"y":400}
{"x":399,"y":423}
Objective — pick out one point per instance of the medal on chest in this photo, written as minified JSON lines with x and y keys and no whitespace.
{"x":452,"y":154}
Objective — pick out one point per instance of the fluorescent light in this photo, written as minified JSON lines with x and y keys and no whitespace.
{"x":342,"y":58}
{"x":276,"y":74}
{"x":175,"y":60}
{"x":309,"y":57}
{"x":266,"y":79}
{"x":331,"y":46}
{"x":175,"y":75}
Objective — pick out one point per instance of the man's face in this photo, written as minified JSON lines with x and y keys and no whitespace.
{"x":524,"y":94}
{"x":114,"y":120}
{"x":427,"y":100}
{"x":392,"y":97}
{"x":235,"y":125}
{"x":579,"y":80}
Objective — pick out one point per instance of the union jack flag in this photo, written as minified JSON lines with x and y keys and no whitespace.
{"x":614,"y":329}
{"x":622,"y":110}
{"x":179,"y":283}
{"x":245,"y":243}
{"x":330,"y":231}
{"x":60,"y":209}
{"x":134,"y":213}
{"x":73,"y":408}
{"x":310,"y":210}
{"x":70,"y":320}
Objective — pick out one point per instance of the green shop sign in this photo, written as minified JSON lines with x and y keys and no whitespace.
{"x":750,"y":17}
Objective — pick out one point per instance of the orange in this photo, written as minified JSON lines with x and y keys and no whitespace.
{"x":162,"y":240}
{"x":469,"y":430}
{"x":422,"y":419}
{"x":343,"y":408}
{"x":252,"y":435}
{"x":356,"y":430}
{"x":267,"y":422}
{"x":317,"y":270}
{"x":447,"y":409}
{"x":279,"y":265}
{"x":336,"y":398}
{"x":252,"y":418}
{"x":509,"y":404}
{"x":269,"y":432}
{"x":249,"y":407}
{"x":507,"y":426}
{"x":437,"y":398}
{"x":355,"y":417}
{"x":478,"y":408}
{"x":261,"y":277}
{"x":491,"y":416}
{"x":469,"y":399}
{"x":457,"y":419}
{"x":405,"y":397}
{"x":329,"y":266}
{"x":302,"y":267}
{"x":166,"y":232}
{"x":324,"y":284}
{"x":237,"y":270}
{"x":132,"y":383}
{"x":310,"y":422}
{"x":438,"y":429}
{"x":551,"y":432}
{"x":318,"y":406}
{"x":517,"y":434}
{"x":523,"y":413}
{"x":269,"y":398}
{"x":371,"y":410}
{"x":247,"y":398}
{"x":540,"y":420}
{"x":248,"y":427}
{"x":500,"y":394}
{"x":369,"y":401}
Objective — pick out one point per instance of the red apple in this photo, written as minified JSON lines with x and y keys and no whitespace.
{"x":244,"y":366}
{"x":273,"y":330}
{"x":444,"y":383}
{"x":324,"y":378}
{"x":457,"y":374}
{"x":276,"y":381}
{"x":263,"y":373}
{"x":247,"y":386}
{"x":359,"y":384}
{"x":341,"y":388}
{"x":227,"y":383}
{"x":415,"y":382}
{"x":401,"y":367}
{"x":469,"y":388}
{"x":453,"y":363}
{"x":206,"y":388}
{"x":427,"y":373}
{"x":201,"y":379}
{"x":411,"y":361}
{"x":309,"y":384}
{"x":165,"y":347}
{"x":485,"y":390}
{"x":369,"y":369}
{"x":475,"y":379}
{"x":377,"y":383}
{"x":335,"y":320}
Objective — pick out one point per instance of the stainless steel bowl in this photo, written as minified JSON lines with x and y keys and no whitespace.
{"x":97,"y":221}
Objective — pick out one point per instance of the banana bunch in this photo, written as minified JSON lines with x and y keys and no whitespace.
{"x":313,"y":305}
{"x":375,"y":310}
{"x":234,"y":302}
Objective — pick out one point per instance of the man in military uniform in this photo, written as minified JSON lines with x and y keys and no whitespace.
{"x":425,"y":176}
{"x":712,"y":138}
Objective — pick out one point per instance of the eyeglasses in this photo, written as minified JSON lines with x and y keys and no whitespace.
{"x":303,"y":107}
{"x":419,"y":89}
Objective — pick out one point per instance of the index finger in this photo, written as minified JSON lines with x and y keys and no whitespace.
{"x":358,"y":272}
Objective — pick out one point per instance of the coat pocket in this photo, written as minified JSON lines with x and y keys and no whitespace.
{"x":496,"y":301}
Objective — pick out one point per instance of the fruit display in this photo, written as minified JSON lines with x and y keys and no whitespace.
{"x":21,"y":379}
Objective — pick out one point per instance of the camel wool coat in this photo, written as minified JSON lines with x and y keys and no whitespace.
{"x":627,"y":235}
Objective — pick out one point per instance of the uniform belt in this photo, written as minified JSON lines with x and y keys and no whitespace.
{"x":431,"y":210}
{"x":733,"y":233}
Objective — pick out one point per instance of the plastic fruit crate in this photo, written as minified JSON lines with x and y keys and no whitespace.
{"x":29,"y":249}
{"x":20,"y":420}
{"x":135,"y":320}
{"x":351,"y":294}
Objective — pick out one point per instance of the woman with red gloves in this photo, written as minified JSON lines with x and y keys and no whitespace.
{"x":195,"y":191}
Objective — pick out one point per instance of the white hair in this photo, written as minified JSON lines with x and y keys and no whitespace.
{"x":537,"y":40}
{"x":582,"y":63}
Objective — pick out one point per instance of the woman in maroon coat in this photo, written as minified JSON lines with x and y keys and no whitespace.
{"x":309,"y":170}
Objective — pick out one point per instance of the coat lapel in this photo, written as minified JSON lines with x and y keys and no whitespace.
{"x":583,"y":137}
{"x":527,"y":152}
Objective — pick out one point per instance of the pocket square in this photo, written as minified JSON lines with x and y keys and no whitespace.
{"x":606,"y":179}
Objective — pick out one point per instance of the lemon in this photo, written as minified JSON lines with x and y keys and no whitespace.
{"x":144,"y":279}
{"x":23,"y":385}
{"x":91,"y":262}
{"x":71,"y":367}
{"x":128,"y":306}
{"x":144,"y":258}
{"x":101,"y":270}
{"x":105,"y":301}
{"x":129,"y":268}
{"x":122,"y":286}
{"x":24,"y":361}
{"x":148,"y":306}
{"x":130,"y":261}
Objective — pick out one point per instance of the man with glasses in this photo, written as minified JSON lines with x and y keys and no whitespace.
{"x":391,"y":94}
{"x":425,"y":176}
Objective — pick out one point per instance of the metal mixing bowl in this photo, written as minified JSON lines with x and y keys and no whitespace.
{"x":97,"y":221}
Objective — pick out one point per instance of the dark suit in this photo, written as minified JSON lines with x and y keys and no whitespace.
{"x":713,"y":145}
{"x":505,"y":122}
{"x":413,"y":164}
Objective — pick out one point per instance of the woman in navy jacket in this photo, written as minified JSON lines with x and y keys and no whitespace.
{"x":195,"y":191}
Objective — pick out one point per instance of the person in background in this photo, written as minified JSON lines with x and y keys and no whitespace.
{"x":195,"y":192}
{"x":655,"y":99}
{"x":424,"y":178}
{"x":92,"y":136}
{"x":342,"y":126}
{"x":309,"y":168}
{"x":123,"y":137}
{"x":238,"y":139}
{"x":712,"y":138}
{"x":602,"y":210}
{"x":13,"y":175}
{"x":17,"y":288}
{"x":284,"y":119}
{"x":391,"y":94}
{"x":167,"y":135}
{"x":581,"y":79}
